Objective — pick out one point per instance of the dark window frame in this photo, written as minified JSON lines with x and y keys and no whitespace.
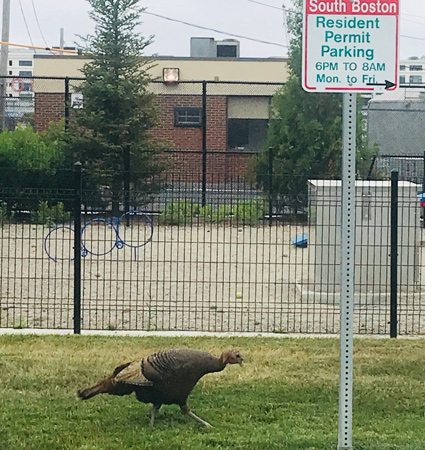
{"x":237,"y":134}
{"x":243,"y":134}
{"x":183,"y":115}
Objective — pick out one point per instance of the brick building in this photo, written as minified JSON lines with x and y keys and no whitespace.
{"x":236,"y":92}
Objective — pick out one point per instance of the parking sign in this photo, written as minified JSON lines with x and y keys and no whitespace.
{"x":350,"y":45}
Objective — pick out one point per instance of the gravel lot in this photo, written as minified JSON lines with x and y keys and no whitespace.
{"x":199,"y":278}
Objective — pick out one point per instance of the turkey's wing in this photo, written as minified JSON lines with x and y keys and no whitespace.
{"x":132,"y":374}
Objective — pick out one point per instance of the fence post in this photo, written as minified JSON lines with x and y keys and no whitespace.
{"x":204,"y":142}
{"x":270,"y":185}
{"x":77,"y":248}
{"x":423,"y":190}
{"x":66,"y":103}
{"x":371,"y":167}
{"x":127,"y":157}
{"x":394,"y":253}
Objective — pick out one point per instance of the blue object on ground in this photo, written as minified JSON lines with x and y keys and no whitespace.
{"x":300,"y":240}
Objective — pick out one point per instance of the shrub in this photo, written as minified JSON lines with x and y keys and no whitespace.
{"x":5,"y":214}
{"x":24,"y":149}
{"x":178,"y":212}
{"x":223,"y":213}
{"x":250,"y":211}
{"x":206,"y":213}
{"x":31,"y":160}
{"x":182,"y":212}
{"x":50,"y":215}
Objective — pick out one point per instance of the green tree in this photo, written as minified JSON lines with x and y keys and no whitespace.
{"x":30,"y":160}
{"x":305,"y":132}
{"x":110,"y":134}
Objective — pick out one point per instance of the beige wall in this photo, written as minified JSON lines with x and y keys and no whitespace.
{"x":248,"y":69}
{"x":248,"y":107}
{"x":58,"y":66}
{"x":267,"y":70}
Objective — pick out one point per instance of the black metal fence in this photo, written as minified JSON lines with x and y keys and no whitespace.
{"x":209,"y":250}
{"x":69,"y":261}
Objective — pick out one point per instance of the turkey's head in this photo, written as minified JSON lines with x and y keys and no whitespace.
{"x":232,"y":357}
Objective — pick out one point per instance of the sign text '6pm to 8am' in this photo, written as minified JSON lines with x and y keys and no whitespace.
{"x":350,"y":45}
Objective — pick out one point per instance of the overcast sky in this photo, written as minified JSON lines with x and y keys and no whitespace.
{"x":38,"y":22}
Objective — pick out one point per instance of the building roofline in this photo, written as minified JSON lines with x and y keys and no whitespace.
{"x":198,"y":58}
{"x":175,"y":58}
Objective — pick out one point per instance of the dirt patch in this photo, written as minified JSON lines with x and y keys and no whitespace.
{"x":198,"y":278}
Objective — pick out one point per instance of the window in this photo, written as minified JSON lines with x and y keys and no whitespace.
{"x":238,"y":134}
{"x":10,"y":62}
{"x":25,"y":73}
{"x":25,"y":63}
{"x":187,"y":117}
{"x":415,"y":79}
{"x":415,"y":67}
{"x":402,"y":79}
{"x":402,"y":67}
{"x":246,"y":134}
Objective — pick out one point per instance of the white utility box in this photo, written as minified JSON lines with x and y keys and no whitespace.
{"x":373,"y":235}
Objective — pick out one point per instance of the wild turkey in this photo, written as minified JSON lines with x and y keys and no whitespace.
{"x":166,"y":377}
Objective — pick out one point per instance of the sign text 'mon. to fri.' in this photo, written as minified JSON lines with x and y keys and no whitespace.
{"x":350,"y":45}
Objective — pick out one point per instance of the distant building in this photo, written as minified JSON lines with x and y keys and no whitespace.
{"x":19,"y":93}
{"x":396,"y":121}
{"x":412,"y":70}
{"x":19,"y":85}
{"x":20,"y":62}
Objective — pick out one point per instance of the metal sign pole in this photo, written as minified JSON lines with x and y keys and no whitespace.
{"x":348,"y":234}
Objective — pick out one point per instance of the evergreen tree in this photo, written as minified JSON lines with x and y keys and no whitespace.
{"x":305,"y":132}
{"x":110,"y":134}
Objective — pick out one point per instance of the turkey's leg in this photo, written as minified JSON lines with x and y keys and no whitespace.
{"x":186,"y":410}
{"x":154,"y":410}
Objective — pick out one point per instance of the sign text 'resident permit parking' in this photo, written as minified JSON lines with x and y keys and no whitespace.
{"x":350,"y":45}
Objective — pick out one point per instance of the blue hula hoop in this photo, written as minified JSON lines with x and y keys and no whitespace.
{"x":47,"y":237}
{"x":149,"y":224}
{"x":108,"y":222}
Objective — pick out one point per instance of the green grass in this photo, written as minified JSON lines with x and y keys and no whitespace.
{"x":285,"y":397}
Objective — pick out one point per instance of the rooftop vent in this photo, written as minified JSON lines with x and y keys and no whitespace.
{"x":201,"y":47}
{"x":229,"y":48}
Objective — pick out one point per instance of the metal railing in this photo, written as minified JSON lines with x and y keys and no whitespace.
{"x":224,"y":266}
